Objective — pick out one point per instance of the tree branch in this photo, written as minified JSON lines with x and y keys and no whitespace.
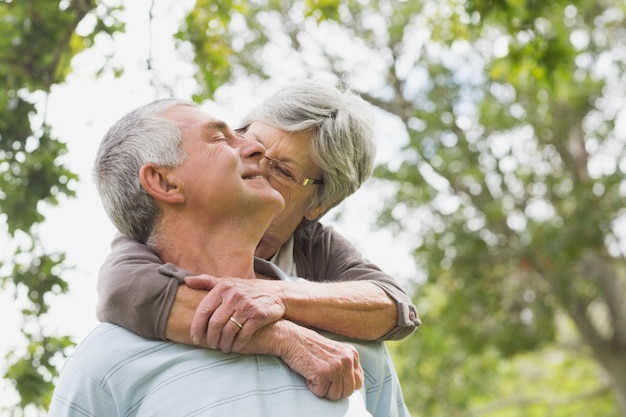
{"x":599,"y":347}
{"x":602,"y":270}
{"x":81,"y":8}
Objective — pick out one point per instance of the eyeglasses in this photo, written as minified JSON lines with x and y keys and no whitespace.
{"x":288,"y":175}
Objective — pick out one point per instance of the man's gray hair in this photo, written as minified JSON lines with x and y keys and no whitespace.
{"x":139,"y":137}
{"x":342,"y":130}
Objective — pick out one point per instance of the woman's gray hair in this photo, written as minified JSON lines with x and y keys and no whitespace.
{"x":139,"y":137}
{"x":342,"y":131}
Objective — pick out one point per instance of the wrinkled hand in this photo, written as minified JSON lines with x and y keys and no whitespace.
{"x":331,"y":369}
{"x":254,"y":303}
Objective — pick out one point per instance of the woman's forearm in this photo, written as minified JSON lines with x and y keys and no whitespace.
{"x":357,"y":309}
{"x":183,"y":309}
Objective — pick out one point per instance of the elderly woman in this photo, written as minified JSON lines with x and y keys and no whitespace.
{"x":320,"y":148}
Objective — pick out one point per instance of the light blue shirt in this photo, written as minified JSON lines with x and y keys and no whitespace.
{"x":115,"y":372}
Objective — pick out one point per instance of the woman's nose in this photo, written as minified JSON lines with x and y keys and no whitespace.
{"x":252,"y":148}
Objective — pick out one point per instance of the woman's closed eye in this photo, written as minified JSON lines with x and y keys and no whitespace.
{"x":283,"y":170}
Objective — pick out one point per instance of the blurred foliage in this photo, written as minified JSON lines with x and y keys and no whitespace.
{"x":511,"y":183}
{"x":38,"y":39}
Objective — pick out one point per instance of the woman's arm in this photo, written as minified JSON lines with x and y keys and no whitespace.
{"x":135,"y":289}
{"x":357,"y":300}
{"x":370,"y":302}
{"x":342,"y":294}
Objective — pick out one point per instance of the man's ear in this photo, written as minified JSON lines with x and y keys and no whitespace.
{"x":161,"y":184}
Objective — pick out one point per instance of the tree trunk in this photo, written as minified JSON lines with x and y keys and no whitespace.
{"x":608,"y":352}
{"x":615,"y":365}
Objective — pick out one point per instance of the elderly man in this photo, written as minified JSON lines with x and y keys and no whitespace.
{"x":174,"y":177}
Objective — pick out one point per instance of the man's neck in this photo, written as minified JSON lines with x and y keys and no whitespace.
{"x":227,"y":251}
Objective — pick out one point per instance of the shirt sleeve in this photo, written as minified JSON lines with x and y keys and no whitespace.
{"x":322,"y":254}
{"x":135,"y":289}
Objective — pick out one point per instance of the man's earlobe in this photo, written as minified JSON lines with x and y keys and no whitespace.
{"x":160,"y":184}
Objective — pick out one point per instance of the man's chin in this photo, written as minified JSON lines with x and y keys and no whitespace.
{"x":279,"y":201}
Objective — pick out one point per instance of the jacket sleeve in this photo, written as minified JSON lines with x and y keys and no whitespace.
{"x":322,"y":254}
{"x":135,"y":289}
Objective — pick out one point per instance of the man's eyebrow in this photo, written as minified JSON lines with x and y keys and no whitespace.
{"x":220,"y":125}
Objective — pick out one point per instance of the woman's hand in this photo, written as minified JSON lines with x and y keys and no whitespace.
{"x":331,"y":369}
{"x":251,"y":303}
